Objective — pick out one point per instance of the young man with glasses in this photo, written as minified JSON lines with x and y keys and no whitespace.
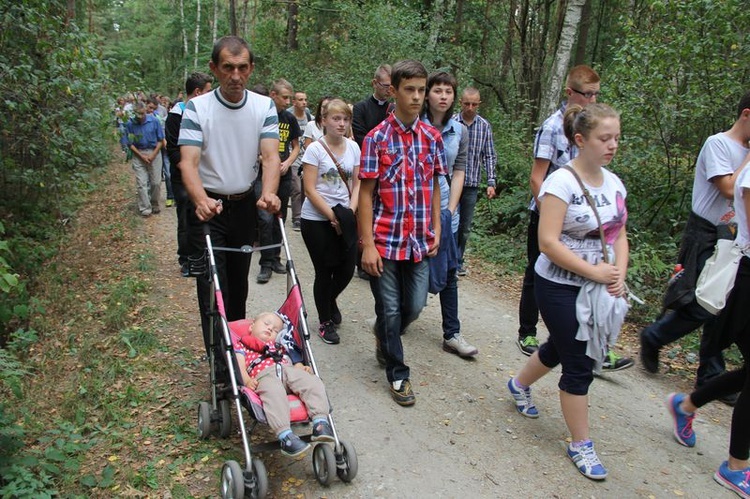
{"x":552,"y":151}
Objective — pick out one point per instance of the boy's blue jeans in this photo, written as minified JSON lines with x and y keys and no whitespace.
{"x":400,"y":295}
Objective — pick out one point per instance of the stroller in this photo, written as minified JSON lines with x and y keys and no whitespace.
{"x":328,"y":460}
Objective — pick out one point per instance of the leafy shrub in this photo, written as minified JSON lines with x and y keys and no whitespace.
{"x":52,"y":73}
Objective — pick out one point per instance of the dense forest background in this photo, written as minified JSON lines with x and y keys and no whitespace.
{"x":674,"y":68}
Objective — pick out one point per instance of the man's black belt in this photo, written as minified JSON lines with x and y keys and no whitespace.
{"x":230,"y":197}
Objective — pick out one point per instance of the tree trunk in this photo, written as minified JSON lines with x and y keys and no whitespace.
{"x":243,"y":20}
{"x":583,"y":35}
{"x":184,"y":38}
{"x":457,"y":27}
{"x":562,"y":56}
{"x":233,"y":17}
{"x":291,"y":25}
{"x":214,"y":24}
{"x":197,"y":33}
{"x":436,"y":26}
{"x":70,"y":13}
{"x":506,"y":60}
{"x":91,"y":15}
{"x":486,"y":32}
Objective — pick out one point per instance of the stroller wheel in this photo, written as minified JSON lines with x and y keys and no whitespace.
{"x":204,"y":420}
{"x":225,"y":424}
{"x":324,"y":463}
{"x":259,"y":483}
{"x":348,"y":458}
{"x":232,"y":481}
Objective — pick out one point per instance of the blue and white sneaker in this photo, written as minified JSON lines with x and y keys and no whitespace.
{"x":292,"y":445}
{"x":524,"y":404}
{"x":682,"y":423}
{"x":586,"y":460}
{"x":737,"y":481}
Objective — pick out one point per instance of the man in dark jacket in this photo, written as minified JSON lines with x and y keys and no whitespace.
{"x":195,"y":85}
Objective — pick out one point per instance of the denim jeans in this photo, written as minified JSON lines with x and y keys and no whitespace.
{"x":400,"y":295}
{"x":449,"y":305}
{"x":269,"y":231}
{"x":166,"y":173}
{"x":466,"y":206}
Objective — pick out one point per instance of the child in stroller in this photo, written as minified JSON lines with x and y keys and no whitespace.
{"x":273,"y":368}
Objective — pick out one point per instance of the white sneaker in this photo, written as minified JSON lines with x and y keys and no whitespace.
{"x":460,"y":347}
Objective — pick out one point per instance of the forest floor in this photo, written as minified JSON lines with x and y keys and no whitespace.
{"x":463,"y":438}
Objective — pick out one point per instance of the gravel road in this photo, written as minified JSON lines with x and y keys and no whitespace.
{"x":463,"y":438}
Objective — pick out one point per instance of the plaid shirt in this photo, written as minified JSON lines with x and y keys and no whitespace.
{"x":403,"y":160}
{"x":481,"y":151}
{"x":552,"y":144}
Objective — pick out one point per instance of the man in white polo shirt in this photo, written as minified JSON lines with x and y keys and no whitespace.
{"x":221,"y":135}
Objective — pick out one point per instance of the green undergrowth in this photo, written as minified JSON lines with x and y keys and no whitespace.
{"x":86,"y":410}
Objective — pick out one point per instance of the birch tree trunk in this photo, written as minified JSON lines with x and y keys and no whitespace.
{"x":215,"y":21}
{"x":184,"y":39}
{"x":562,"y":56}
{"x":197,"y":33}
{"x":436,"y":25}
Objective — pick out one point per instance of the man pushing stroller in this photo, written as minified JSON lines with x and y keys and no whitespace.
{"x":273,"y":368}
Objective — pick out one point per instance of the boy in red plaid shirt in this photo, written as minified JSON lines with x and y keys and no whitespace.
{"x":399,"y":217}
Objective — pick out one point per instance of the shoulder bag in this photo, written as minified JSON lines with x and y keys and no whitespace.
{"x":716,"y":280}
{"x":349,"y":234}
{"x":590,"y":200}
{"x":605,"y":252}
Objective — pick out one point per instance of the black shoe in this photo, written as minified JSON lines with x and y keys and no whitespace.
{"x":264,"y":275}
{"x":292,"y":445}
{"x":649,"y":354}
{"x":185,"y":269}
{"x":278,"y":267}
{"x":328,"y":334}
{"x":404,"y":396}
{"x":322,"y":432}
{"x":336,"y":315}
{"x":528,"y":345}
{"x":614,"y":362}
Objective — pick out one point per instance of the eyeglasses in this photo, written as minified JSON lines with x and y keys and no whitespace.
{"x":383,"y":85}
{"x":588,"y":95}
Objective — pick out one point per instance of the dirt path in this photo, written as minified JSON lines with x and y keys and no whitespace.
{"x":463,"y":438}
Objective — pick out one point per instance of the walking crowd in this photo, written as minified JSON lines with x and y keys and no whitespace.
{"x":386,"y":189}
